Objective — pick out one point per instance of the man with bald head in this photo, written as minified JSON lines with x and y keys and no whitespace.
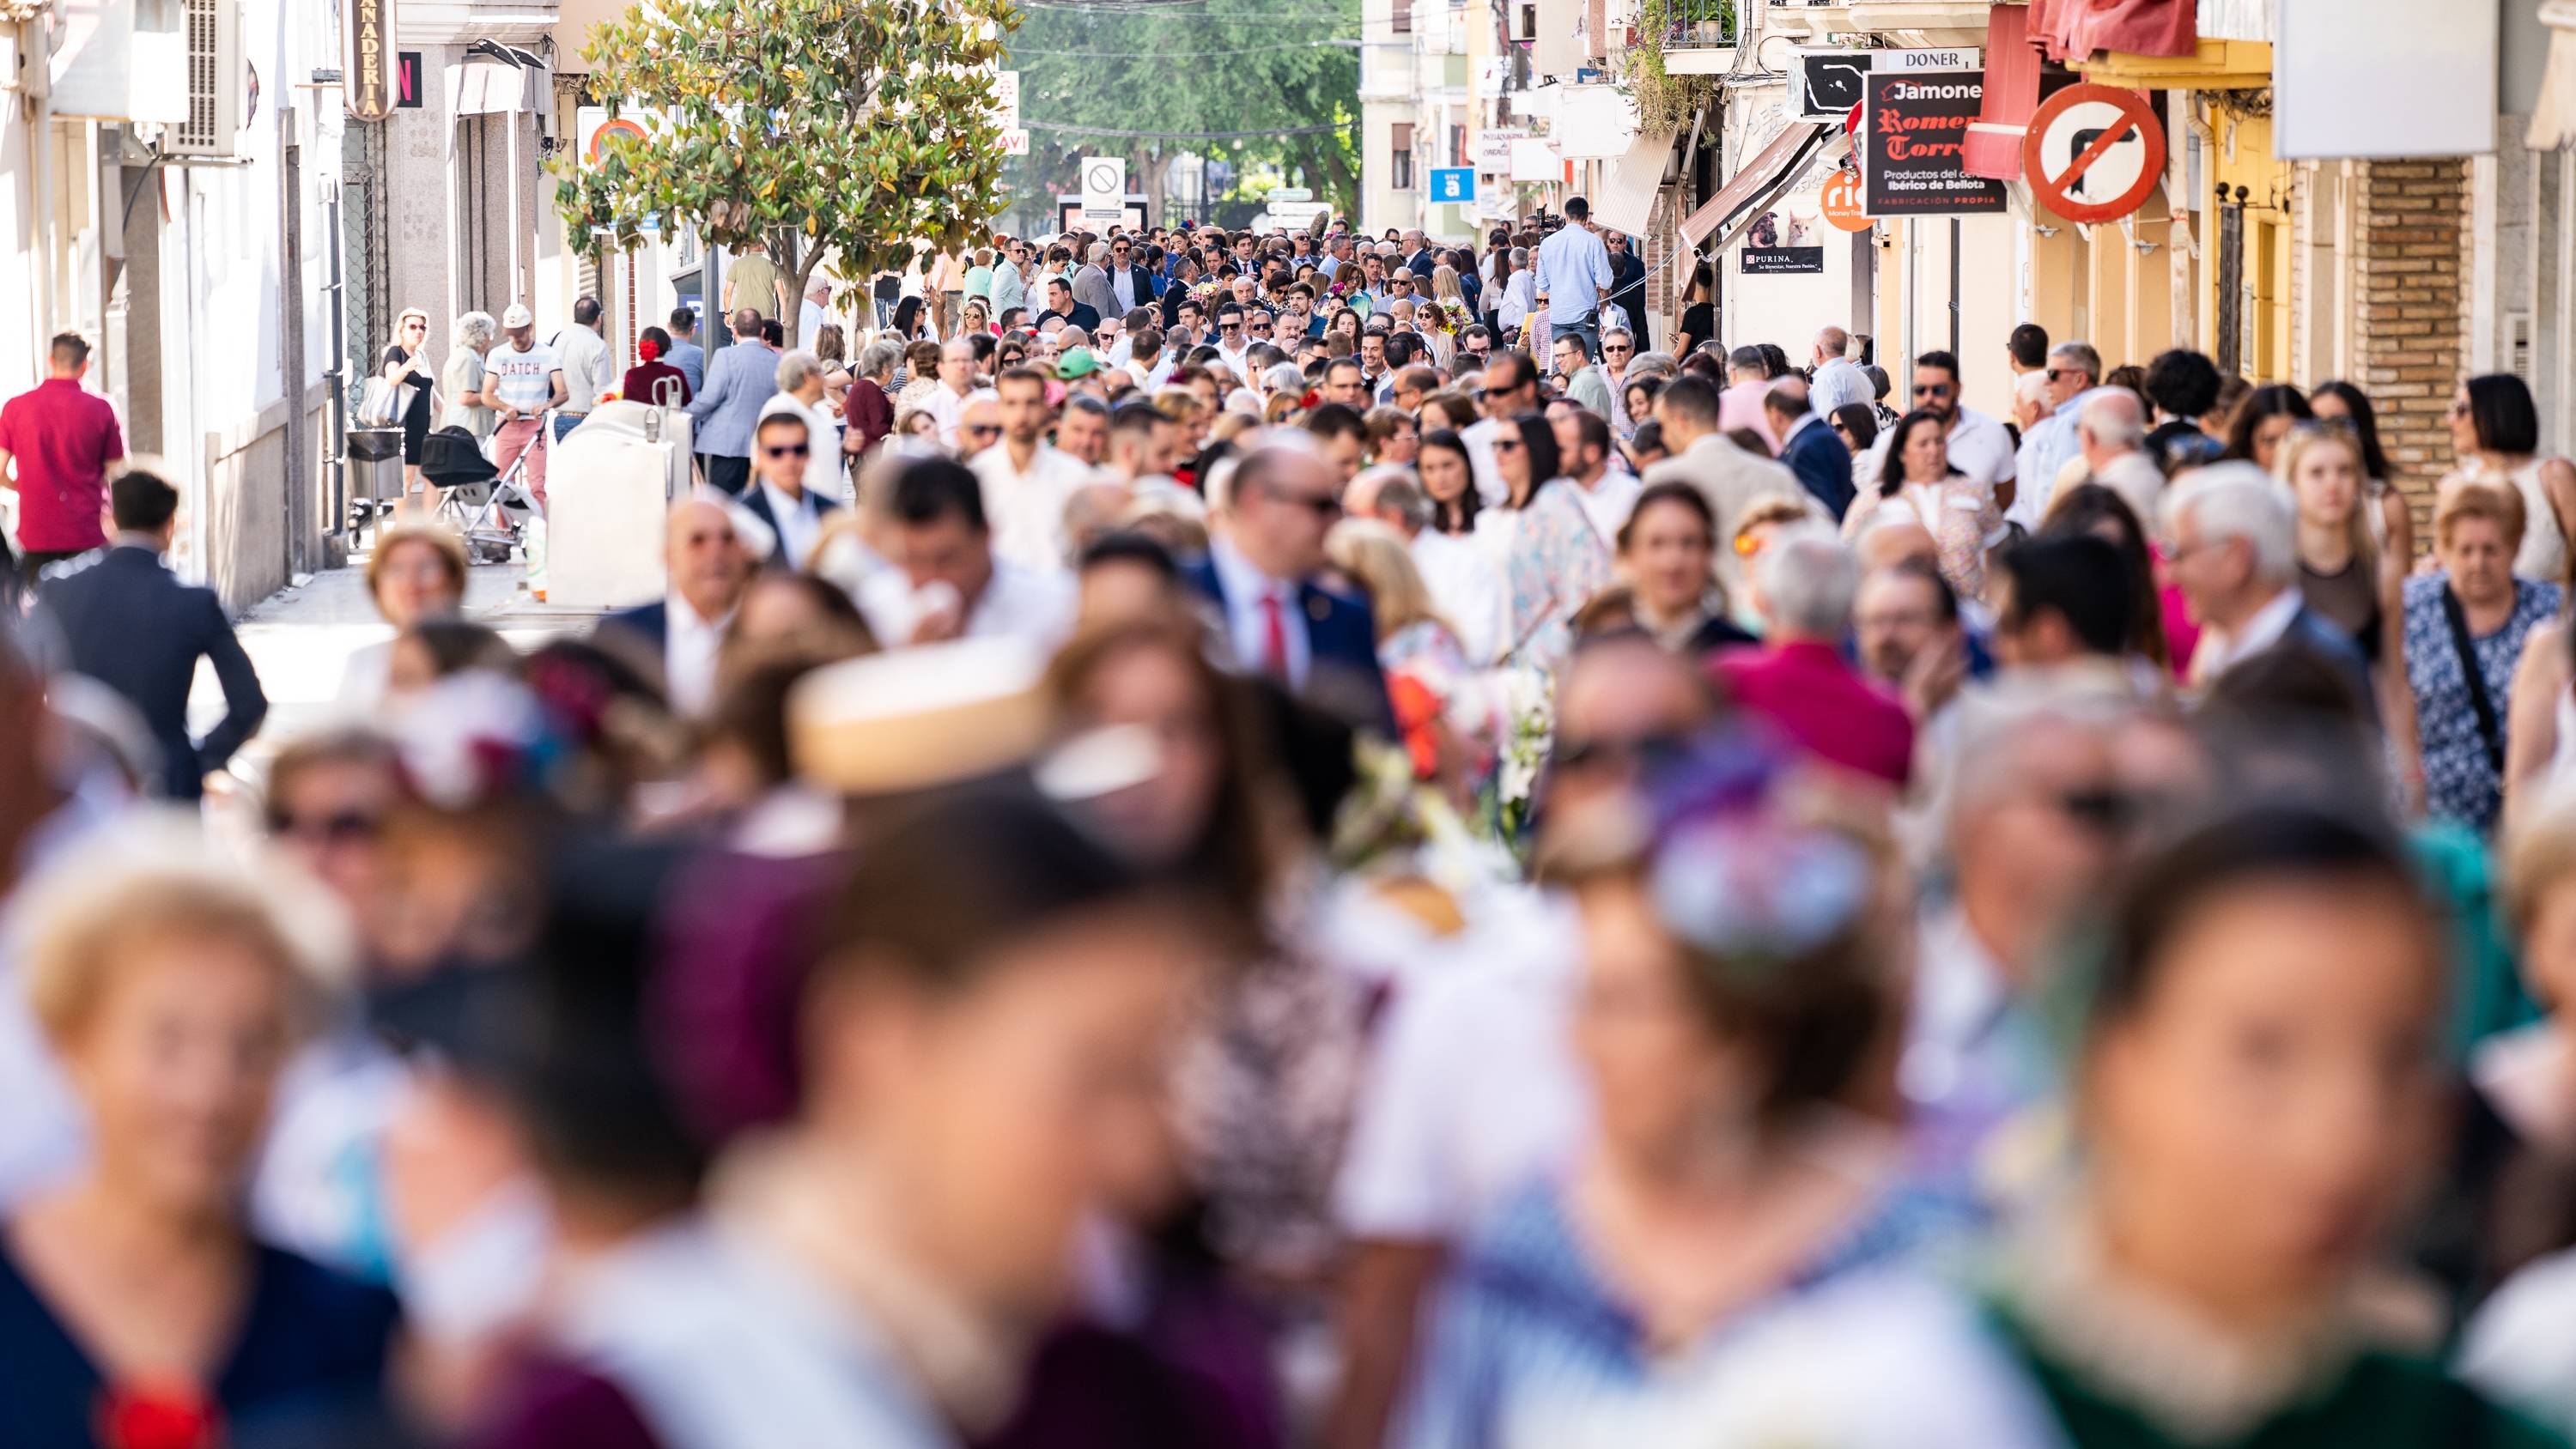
{"x":1837,"y":379}
{"x":710,"y":568}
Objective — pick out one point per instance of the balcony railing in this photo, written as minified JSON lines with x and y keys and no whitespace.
{"x":1692,"y":24}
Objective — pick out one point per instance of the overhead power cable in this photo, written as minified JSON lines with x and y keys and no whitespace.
{"x":1016,"y":52}
{"x":1185,"y":135}
{"x":1316,"y":17}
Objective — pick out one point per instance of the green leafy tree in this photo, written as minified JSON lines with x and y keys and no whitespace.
{"x":841,"y":127}
{"x":1266,"y":67}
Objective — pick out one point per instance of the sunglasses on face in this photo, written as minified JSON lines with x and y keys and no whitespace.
{"x":1507,"y":445}
{"x":1586,"y":754}
{"x":1325,"y":506}
{"x":1229,"y":327}
{"x":787,"y":450}
{"x":982,"y":430}
{"x":2055,"y":373}
{"x":1938,"y":389}
{"x":1613,"y":347}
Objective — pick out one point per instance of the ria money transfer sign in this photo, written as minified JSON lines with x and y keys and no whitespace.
{"x":1914,"y":142}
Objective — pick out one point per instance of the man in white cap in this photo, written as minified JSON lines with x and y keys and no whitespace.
{"x":523,"y":379}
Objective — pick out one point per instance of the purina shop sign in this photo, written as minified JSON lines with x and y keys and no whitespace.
{"x":1914,"y":157}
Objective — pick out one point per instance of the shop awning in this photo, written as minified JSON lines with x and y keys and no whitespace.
{"x":1627,"y":202}
{"x":1780,"y":163}
{"x":2553,"y":119}
{"x":495,"y":79}
{"x":2011,"y":95}
{"x":2071,"y":30}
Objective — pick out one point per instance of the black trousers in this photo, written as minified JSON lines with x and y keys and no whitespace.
{"x":36,"y":560}
{"x":729,"y":475}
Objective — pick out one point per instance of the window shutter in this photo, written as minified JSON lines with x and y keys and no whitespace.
{"x":1404,"y":17}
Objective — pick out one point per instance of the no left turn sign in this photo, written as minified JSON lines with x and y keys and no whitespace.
{"x":2094,"y":152}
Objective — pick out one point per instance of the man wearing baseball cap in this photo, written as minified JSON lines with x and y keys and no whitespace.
{"x":524,"y":378}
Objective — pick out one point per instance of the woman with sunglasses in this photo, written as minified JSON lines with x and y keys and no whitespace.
{"x":2495,"y":430}
{"x":405,"y":363}
{"x":1552,"y":555}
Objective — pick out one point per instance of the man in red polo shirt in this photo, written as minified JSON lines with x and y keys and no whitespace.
{"x":61,"y":438}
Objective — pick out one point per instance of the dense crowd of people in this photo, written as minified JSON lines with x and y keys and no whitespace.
{"x":1259,"y":840}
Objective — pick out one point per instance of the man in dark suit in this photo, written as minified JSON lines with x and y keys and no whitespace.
{"x":1130,"y":282}
{"x":2235,"y":558}
{"x":778,"y":495}
{"x":710,"y":570}
{"x":1809,"y":447}
{"x":130,"y":624}
{"x":1265,"y":572}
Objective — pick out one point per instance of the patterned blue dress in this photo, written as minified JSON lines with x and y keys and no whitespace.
{"x":2460,"y":781}
{"x":1533,"y":1350}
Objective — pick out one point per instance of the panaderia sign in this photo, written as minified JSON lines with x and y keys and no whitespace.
{"x":1913,"y":145}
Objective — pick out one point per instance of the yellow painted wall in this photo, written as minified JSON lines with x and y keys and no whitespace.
{"x":2242,"y":156}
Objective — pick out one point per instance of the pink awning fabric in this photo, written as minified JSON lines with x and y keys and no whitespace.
{"x":2011,"y":94}
{"x":2071,"y":30}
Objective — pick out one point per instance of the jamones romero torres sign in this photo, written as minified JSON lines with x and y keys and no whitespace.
{"x":1913,"y":145}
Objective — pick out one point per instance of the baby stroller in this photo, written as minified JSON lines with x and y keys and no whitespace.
{"x":487,"y":508}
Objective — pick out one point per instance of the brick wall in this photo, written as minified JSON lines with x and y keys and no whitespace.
{"x":2410,"y":333}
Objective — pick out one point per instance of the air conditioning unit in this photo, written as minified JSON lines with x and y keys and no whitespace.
{"x":214,"y":119}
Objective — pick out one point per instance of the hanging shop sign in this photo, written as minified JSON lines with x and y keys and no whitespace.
{"x":2094,"y":152}
{"x":1494,"y":149}
{"x":1913,"y":145}
{"x":1830,"y":78}
{"x":367,"y":66}
{"x":1842,"y":201}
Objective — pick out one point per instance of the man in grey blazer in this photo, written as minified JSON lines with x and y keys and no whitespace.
{"x":1091,"y":284}
{"x":739,"y":379}
{"x":1730,"y":478}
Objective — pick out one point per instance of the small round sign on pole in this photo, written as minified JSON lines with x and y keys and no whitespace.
{"x":1842,"y":201}
{"x":2093,"y":152}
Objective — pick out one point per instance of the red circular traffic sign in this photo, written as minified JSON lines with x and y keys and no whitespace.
{"x":2094,"y":152}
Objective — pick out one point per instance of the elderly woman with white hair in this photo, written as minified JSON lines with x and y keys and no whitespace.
{"x":171,"y":985}
{"x":461,"y":380}
{"x":800,"y":394}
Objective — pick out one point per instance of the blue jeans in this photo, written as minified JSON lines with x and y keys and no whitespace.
{"x":566,"y":422}
{"x":1586,"y":327}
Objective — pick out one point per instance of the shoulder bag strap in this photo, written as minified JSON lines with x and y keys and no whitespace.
{"x":2458,"y":619}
